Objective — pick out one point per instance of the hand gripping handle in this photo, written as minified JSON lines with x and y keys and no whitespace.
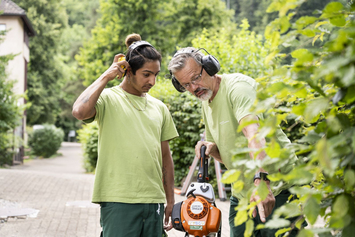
{"x":202,"y":175}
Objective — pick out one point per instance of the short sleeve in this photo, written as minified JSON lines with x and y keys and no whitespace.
{"x":242,"y":98}
{"x":208,"y":135}
{"x":168,"y":130}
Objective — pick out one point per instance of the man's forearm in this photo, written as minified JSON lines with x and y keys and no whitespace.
{"x":168,"y":182}
{"x":84,"y":106}
{"x":168,"y":172}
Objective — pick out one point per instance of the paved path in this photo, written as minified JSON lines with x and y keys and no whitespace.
{"x":53,"y":197}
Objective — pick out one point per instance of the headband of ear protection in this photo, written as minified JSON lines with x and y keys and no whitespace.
{"x":138,"y":44}
{"x":135,"y":45}
{"x":209,"y":63}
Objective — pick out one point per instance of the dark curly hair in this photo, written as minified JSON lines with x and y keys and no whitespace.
{"x":140,"y":55}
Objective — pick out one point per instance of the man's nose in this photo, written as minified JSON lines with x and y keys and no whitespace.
{"x":152,"y":80}
{"x":194,"y":86}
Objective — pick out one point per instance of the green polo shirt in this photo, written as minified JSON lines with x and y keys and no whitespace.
{"x":129,"y":166}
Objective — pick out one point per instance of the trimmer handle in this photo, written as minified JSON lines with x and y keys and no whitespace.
{"x":202,"y":175}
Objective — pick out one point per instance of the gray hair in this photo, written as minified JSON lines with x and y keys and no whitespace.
{"x":178,"y":61}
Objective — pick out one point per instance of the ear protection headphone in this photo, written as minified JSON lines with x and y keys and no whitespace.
{"x":132,"y":47}
{"x":138,"y":44}
{"x":209,"y":63}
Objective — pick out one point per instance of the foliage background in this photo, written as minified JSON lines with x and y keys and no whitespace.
{"x":304,"y":62}
{"x":46,"y":141}
{"x":316,"y":89}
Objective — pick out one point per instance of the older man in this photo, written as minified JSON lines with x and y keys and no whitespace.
{"x":226,"y":101}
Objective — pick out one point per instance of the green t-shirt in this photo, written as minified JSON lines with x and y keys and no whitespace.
{"x":129,"y":165}
{"x":232,"y":102}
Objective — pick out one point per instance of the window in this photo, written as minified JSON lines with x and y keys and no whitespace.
{"x":2,"y":27}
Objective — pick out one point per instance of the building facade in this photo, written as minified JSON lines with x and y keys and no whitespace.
{"x":18,"y":29}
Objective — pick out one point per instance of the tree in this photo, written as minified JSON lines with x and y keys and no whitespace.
{"x":44,"y":75}
{"x":254,"y":11}
{"x":10,"y":113}
{"x":163,"y":24}
{"x":77,"y":30}
{"x":318,"y":88}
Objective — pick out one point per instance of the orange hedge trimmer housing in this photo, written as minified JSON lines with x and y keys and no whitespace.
{"x":198,"y":214}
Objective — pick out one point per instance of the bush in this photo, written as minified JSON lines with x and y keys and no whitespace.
{"x":186,"y":112}
{"x":46,"y":141}
{"x":88,"y":137}
{"x":6,"y":152}
{"x":317,"y":90}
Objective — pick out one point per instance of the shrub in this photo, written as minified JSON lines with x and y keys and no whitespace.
{"x":317,"y":88}
{"x":186,"y":112}
{"x":88,"y":137}
{"x":46,"y":141}
{"x":5,"y":150}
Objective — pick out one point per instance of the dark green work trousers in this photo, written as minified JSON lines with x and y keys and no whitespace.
{"x":133,"y":220}
{"x":238,"y":231}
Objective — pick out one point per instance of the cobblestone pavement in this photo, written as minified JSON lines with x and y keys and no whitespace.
{"x":51,"y":198}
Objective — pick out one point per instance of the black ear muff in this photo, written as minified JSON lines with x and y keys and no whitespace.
{"x":210,"y":64}
{"x":136,"y":45}
{"x":177,"y":84}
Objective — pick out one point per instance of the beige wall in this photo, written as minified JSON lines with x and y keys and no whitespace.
{"x":14,"y":44}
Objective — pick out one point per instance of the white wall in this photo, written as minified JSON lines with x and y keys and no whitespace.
{"x":14,"y":44}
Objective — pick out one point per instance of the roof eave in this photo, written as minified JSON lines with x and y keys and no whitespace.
{"x":31,"y":31}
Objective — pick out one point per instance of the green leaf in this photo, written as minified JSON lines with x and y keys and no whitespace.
{"x":263,"y":191}
{"x":231,"y":176}
{"x":315,"y":39}
{"x":284,"y":24}
{"x":305,"y":21}
{"x":311,"y":138}
{"x":299,"y":222}
{"x":339,"y":222}
{"x":242,"y":216}
{"x":282,"y":231}
{"x":341,"y":206}
{"x":274,"y":150}
{"x":348,"y":77}
{"x":308,"y":32}
{"x":302,"y":93}
{"x":303,"y":56}
{"x":323,"y":154}
{"x":288,"y":210}
{"x":333,"y":7}
{"x":273,"y":7}
{"x":349,"y":179}
{"x":338,"y":20}
{"x":320,"y":23}
{"x":277,"y":223}
{"x":249,"y":228}
{"x":305,"y":233}
{"x":311,"y":210}
{"x":299,"y":109}
{"x":350,"y":95}
{"x":299,"y":175}
{"x":314,"y":108}
{"x":238,"y":186}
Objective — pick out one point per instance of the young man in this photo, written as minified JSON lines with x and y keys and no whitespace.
{"x":226,"y":100}
{"x":135,"y":172}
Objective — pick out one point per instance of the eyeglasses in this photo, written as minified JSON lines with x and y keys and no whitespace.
{"x":193,"y":81}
